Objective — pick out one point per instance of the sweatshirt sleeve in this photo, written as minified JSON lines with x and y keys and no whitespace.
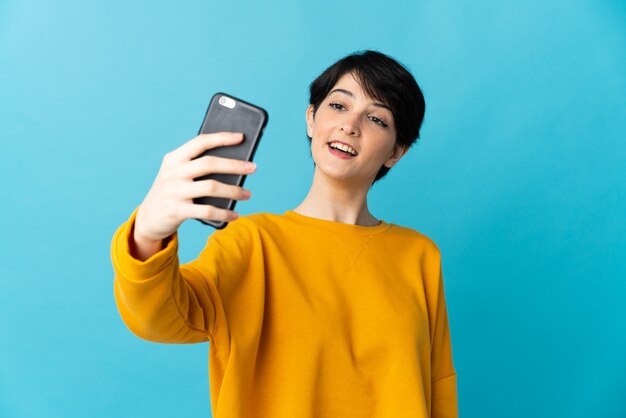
{"x":159,"y":300}
{"x":444,"y":392}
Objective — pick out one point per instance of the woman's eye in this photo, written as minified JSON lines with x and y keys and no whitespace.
{"x":379,"y":122}
{"x":336,"y":106}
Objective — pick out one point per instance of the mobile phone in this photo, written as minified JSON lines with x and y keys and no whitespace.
{"x":228,"y":113}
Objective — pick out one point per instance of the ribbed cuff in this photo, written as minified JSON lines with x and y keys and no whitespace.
{"x":131,"y":268}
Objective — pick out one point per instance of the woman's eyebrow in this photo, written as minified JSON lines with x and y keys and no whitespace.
{"x":346,"y":92}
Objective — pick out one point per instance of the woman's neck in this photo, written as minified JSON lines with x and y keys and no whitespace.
{"x":335,"y":200}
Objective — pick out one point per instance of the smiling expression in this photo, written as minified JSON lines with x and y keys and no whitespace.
{"x":353,"y":135}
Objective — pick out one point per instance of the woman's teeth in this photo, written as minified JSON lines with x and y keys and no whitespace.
{"x":342,"y":147}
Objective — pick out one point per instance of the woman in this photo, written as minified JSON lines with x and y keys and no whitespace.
{"x":322,"y":311}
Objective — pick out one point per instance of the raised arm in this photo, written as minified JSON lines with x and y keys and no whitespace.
{"x":158,"y":299}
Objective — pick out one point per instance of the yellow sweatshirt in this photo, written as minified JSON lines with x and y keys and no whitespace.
{"x":306,"y":318}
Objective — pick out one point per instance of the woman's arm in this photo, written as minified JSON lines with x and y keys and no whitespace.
{"x":444,"y":391}
{"x":159,"y":300}
{"x":443,"y":375}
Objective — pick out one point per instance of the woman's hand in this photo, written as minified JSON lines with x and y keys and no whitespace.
{"x":170,"y":199}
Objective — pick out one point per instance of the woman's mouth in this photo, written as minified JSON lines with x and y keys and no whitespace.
{"x":342,"y":151}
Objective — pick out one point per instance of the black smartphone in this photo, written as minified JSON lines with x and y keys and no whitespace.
{"x":228,"y":113}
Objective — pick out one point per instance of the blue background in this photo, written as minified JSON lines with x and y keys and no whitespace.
{"x":519,"y":178}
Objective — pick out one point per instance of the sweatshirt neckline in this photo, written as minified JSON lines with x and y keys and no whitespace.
{"x":335,"y":226}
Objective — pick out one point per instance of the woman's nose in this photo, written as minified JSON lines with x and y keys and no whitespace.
{"x":350,"y":127}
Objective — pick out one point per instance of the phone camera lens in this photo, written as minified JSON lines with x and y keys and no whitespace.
{"x":227,"y":102}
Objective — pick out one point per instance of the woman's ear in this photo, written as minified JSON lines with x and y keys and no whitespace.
{"x":309,"y":120}
{"x":398,"y":152}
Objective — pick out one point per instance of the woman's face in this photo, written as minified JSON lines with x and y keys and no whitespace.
{"x":349,"y":117}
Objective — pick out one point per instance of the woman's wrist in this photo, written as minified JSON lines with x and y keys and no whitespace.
{"x":142,"y":247}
